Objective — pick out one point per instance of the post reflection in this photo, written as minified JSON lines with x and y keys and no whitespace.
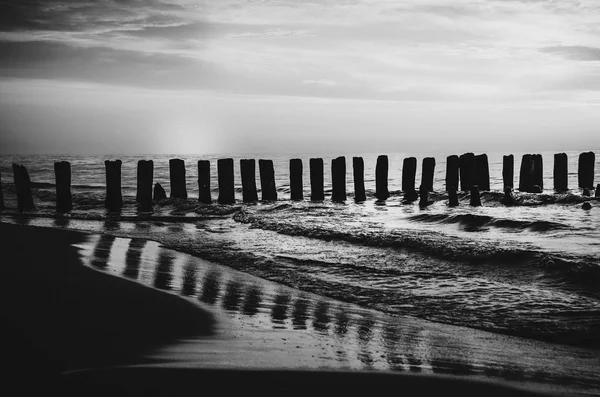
{"x":133,"y":258}
{"x":164,"y":268}
{"x":391,"y":337}
{"x":211,"y":288}
{"x":101,"y":252}
{"x":188,"y":285}
{"x":365,"y":334}
{"x":280,"y":308}
{"x":321,"y":317}
{"x":111,"y":225}
{"x":253,"y":300}
{"x":342,"y":322}
{"x":299,"y":313}
{"x":233,"y":295}
{"x":61,"y":222}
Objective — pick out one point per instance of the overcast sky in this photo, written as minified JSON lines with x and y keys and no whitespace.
{"x":152,"y":76}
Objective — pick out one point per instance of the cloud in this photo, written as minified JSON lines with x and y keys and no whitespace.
{"x":575,"y":53}
{"x":272,"y":33}
{"x":326,"y":83}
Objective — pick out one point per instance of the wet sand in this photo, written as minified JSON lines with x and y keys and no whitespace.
{"x":247,"y":328}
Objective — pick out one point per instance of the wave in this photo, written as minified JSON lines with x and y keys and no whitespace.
{"x":474,"y":221}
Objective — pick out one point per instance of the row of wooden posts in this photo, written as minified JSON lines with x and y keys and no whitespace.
{"x":468,"y":171}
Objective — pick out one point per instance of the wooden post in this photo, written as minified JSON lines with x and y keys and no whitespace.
{"x":466,"y":164}
{"x":452,"y":196}
{"x":561,"y":172}
{"x":159,"y":192}
{"x":585,"y":170}
{"x":114,"y":197}
{"x":597,"y":194}
{"x":427,"y":173}
{"x":64,"y":200}
{"x":482,"y":172}
{"x":525,"y":184}
{"x":409,"y":170}
{"x":537,"y":172}
{"x":177,"y":174}
{"x":451,"y":173}
{"x":267,"y":180}
{"x":358,"y":168}
{"x":296,"y":185}
{"x":475,"y":198}
{"x":338,"y":179}
{"x":23,"y":187}
{"x":381,"y":178}
{"x":1,"y":194}
{"x":423,"y":194}
{"x":145,"y":180}
{"x":225,"y":177}
{"x":248,"y":173}
{"x":508,"y":198}
{"x":508,"y":171}
{"x":316,"y":180}
{"x":204,"y":195}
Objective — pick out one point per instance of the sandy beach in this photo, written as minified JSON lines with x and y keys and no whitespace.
{"x":79,"y":301}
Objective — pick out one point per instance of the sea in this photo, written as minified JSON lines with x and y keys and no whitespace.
{"x":530,"y":270}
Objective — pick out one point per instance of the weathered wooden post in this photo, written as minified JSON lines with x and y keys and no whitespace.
{"x":1,"y":194}
{"x":508,"y":198}
{"x":267,"y":180}
{"x":585,"y":171}
{"x":466,"y":164}
{"x":597,"y":194}
{"x":475,"y":198}
{"x":296,"y":185}
{"x":452,"y":196}
{"x":23,"y":187}
{"x":159,"y":192}
{"x":409,"y":171}
{"x":537,"y":175}
{"x":508,"y":171}
{"x":358,"y":168}
{"x":145,"y":180}
{"x":482,"y":172}
{"x":561,"y":172}
{"x":177,"y":174}
{"x":381,"y":178}
{"x":525,"y":184}
{"x":64,"y":200}
{"x":338,"y":179}
{"x":225,"y":179}
{"x":248,"y":173}
{"x":114,"y":197}
{"x":204,"y":195}
{"x":427,"y":173}
{"x":423,"y":194}
{"x":316,"y":180}
{"x":451,"y":172}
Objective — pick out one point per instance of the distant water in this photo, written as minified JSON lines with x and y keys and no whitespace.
{"x":532,"y":270}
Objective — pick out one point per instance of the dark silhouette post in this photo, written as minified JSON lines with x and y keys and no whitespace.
{"x":586,"y":192}
{"x":452,"y":196}
{"x":225,"y":177}
{"x":358,"y":169}
{"x":159,"y":192}
{"x":204,"y":195}
{"x":525,"y":184}
{"x":466,"y":164}
{"x":296,"y":185}
{"x":508,"y":198}
{"x":428,"y":173}
{"x":475,"y":198}
{"x":338,"y":179}
{"x":561,"y":172}
{"x":145,"y":180}
{"x":316,"y":180}
{"x":451,"y":173}
{"x":267,"y":180}
{"x":23,"y":187}
{"x":248,"y":173}
{"x":64,"y":200}
{"x":508,"y":171}
{"x":482,"y":172}
{"x":597,"y":194}
{"x":409,"y":171}
{"x":585,"y":171}
{"x":177,"y":174}
{"x":1,"y":194}
{"x":381,"y":178}
{"x":114,"y":198}
{"x":537,"y":172}
{"x":423,"y":194}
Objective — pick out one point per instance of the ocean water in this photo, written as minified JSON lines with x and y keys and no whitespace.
{"x":531,"y":270}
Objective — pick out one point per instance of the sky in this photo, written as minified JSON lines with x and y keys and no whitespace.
{"x":292,"y":76}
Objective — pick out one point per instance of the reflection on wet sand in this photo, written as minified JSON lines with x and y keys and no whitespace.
{"x":358,"y":337}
